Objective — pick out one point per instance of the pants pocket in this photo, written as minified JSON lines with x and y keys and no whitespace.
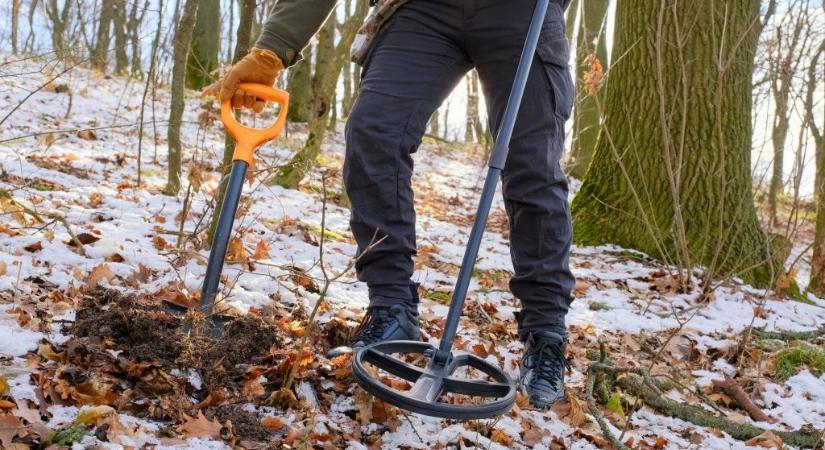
{"x":554,"y":52}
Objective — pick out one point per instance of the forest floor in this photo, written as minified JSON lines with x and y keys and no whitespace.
{"x":89,"y":356}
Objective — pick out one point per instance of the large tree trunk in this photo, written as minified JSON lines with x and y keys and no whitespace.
{"x":324,"y":83}
{"x":671,"y":171}
{"x":100,"y":54}
{"x":206,"y":41}
{"x":590,"y":44}
{"x":183,"y":37}
{"x":243,"y":43}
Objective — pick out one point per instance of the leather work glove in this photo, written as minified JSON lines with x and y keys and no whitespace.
{"x":259,"y":66}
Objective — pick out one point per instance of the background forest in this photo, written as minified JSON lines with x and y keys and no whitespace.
{"x":696,"y":161}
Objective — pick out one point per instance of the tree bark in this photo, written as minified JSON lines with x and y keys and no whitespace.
{"x":673,"y":162}
{"x":15,"y":14}
{"x":206,"y":41}
{"x":472,"y":125}
{"x":586,"y":121}
{"x":183,"y":37}
{"x":119,"y":22}
{"x":60,"y":19}
{"x":300,"y":89}
{"x":100,"y":55}
{"x":133,"y":31}
{"x":324,"y":83}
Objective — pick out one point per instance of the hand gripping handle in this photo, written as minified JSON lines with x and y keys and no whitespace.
{"x":249,"y":139}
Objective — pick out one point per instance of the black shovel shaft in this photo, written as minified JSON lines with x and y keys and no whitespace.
{"x":497,"y":159}
{"x":223,"y":232}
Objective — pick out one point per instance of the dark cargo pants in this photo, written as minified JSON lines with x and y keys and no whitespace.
{"x":419,"y":56}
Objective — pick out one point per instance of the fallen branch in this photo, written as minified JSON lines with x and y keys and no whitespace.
{"x":789,"y":335}
{"x":635,"y":384}
{"x":730,"y":387}
{"x":55,"y":217}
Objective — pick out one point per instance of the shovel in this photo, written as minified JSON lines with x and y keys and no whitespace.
{"x":483,"y":398}
{"x":247,"y":140}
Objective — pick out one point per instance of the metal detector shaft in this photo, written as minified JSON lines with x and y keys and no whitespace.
{"x":497,"y":159}
{"x":222,"y":233}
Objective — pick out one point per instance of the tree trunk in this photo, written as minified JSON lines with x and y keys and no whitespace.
{"x":100,"y":55}
{"x":119,"y":22}
{"x":782,"y":65}
{"x":817,"y":282}
{"x":15,"y":13}
{"x":183,"y":37}
{"x":324,"y":83}
{"x":300,"y":89}
{"x":671,"y":172}
{"x":133,"y":31}
{"x":471,"y":131}
{"x":243,"y":42}
{"x":206,"y":41}
{"x":572,"y":12}
{"x":60,"y":19}
{"x":590,"y":41}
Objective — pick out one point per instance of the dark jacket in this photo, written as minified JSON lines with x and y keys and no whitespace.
{"x":291,"y":26}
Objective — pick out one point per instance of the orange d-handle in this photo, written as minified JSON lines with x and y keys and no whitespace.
{"x":247,"y":139}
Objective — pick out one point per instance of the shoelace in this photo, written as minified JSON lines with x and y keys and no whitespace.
{"x":372,"y":326}
{"x":547,"y":359}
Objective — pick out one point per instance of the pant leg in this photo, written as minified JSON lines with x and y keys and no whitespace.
{"x":414,"y":64}
{"x":533,"y":184}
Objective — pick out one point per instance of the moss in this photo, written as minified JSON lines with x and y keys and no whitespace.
{"x":598,"y":306}
{"x":439,"y":296}
{"x":792,"y":360}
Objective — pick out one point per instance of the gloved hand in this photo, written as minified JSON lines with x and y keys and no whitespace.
{"x":259,"y":66}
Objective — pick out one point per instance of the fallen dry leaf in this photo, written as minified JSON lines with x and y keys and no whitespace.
{"x":99,"y":273}
{"x":200,"y":427}
{"x":35,"y":247}
{"x":10,"y":426}
{"x":3,"y":268}
{"x":88,"y":135}
{"x":501,"y":437}
{"x":4,"y":386}
{"x":261,"y":250}
{"x":273,"y":423}
{"x":766,"y":440}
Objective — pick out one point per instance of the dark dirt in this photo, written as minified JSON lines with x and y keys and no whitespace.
{"x":147,"y":332}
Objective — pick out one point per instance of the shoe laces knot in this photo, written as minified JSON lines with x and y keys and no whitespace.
{"x":547,"y":361}
{"x":373,"y":325}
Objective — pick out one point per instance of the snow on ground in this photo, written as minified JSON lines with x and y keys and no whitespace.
{"x":91,"y":182}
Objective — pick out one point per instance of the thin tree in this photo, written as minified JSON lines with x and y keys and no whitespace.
{"x":671,"y":171}
{"x":788,"y":40}
{"x":243,"y":42}
{"x":591,"y":54}
{"x":150,"y":78}
{"x":814,"y":75}
{"x":121,"y":43}
{"x":183,"y":37}
{"x":100,"y":53}
{"x":300,"y":89}
{"x":59,"y":18}
{"x":15,"y":14}
{"x":324,"y":83}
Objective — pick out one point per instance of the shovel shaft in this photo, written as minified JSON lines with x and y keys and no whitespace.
{"x":223,"y":232}
{"x":497,"y":159}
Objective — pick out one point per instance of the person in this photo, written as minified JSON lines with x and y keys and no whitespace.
{"x":413,"y":61}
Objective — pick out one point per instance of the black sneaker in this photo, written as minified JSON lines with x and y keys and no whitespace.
{"x":542,"y":368}
{"x":382,"y":323}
